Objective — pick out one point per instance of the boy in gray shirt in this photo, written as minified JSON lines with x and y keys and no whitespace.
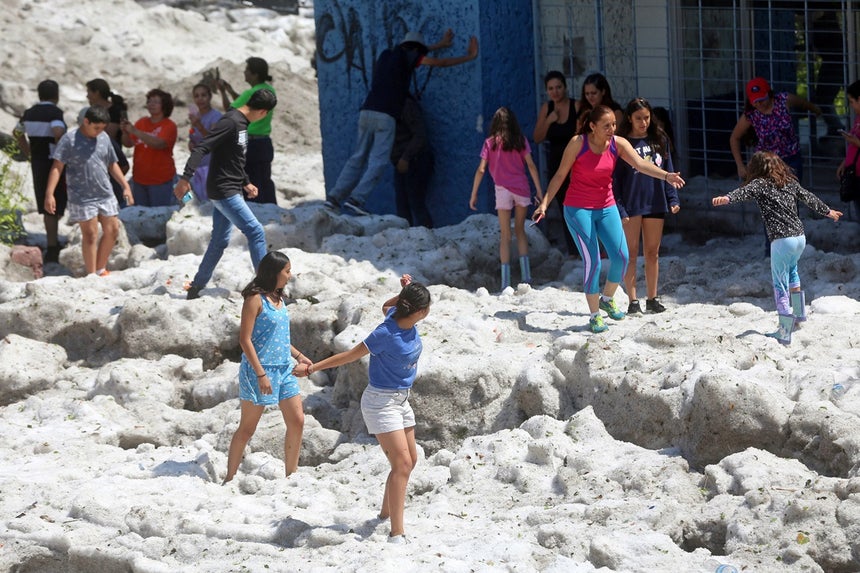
{"x":89,"y":157}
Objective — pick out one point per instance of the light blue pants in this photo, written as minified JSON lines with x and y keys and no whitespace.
{"x":228,"y":212}
{"x":784,"y":254}
{"x":375,"y":140}
{"x":586,"y":227}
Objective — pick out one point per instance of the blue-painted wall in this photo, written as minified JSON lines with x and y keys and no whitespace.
{"x":458,"y":101}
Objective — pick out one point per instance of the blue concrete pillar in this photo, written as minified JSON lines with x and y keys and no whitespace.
{"x":457,"y":101}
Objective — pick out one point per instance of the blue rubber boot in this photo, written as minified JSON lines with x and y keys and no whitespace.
{"x":525,"y":269}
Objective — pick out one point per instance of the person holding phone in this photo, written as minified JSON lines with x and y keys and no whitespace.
{"x":852,"y":139}
{"x":227,"y":142}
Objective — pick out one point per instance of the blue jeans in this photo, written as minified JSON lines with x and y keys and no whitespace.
{"x":160,"y":195}
{"x":375,"y":140}
{"x":228,"y":212}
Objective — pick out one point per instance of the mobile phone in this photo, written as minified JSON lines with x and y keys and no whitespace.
{"x":123,"y":115}
{"x":187,"y":197}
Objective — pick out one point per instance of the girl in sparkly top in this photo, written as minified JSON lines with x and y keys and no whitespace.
{"x":771,"y":183}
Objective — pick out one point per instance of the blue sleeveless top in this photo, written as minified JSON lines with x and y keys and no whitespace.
{"x":271,"y":340}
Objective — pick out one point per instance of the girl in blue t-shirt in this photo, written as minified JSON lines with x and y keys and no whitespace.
{"x":268,"y":359}
{"x":394,"y":348}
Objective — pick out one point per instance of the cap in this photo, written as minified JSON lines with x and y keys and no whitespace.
{"x":416,"y":40}
{"x":757,"y":90}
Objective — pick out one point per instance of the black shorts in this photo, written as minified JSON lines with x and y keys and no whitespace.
{"x":41,"y":168}
{"x":654,"y":216}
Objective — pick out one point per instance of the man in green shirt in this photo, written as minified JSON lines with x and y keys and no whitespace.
{"x":260,"y":153}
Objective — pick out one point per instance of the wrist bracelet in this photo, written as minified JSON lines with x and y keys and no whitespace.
{"x":666,"y":177}
{"x":261,"y":375}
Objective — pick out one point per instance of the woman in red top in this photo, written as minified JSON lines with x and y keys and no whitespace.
{"x":589,"y":206}
{"x":153,"y":171}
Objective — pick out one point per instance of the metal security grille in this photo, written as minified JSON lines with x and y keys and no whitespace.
{"x":801,"y":47}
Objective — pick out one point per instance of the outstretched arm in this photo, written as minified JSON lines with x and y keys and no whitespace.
{"x":355,"y":353}
{"x":570,"y":152}
{"x":794,"y":100}
{"x":470,"y":55}
{"x":445,"y":42}
{"x":627,"y":153}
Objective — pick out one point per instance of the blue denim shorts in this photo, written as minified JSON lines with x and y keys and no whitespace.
{"x":284,"y":385}
{"x":386,"y":410}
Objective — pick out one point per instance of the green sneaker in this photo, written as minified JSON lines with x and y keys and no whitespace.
{"x":610,"y":307}
{"x":597,"y":325}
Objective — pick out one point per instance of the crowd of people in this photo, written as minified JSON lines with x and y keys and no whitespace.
{"x":606,"y":204}
{"x":150,"y":141}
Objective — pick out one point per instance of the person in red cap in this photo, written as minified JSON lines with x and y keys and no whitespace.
{"x":769,"y":115}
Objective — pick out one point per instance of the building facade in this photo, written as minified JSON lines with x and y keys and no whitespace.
{"x":692,"y":57}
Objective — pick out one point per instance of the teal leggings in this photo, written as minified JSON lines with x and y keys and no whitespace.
{"x":586,"y":227}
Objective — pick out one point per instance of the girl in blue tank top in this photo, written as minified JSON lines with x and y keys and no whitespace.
{"x":268,"y":358}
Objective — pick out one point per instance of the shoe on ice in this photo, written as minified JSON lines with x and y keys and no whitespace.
{"x":596,"y":324}
{"x":610,"y":307}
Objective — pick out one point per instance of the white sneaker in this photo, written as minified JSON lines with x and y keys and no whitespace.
{"x":398,"y":539}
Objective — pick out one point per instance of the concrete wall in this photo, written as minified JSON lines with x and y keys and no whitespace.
{"x":458,"y":101}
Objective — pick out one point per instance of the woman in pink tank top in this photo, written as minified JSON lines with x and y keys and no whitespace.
{"x":589,"y":206}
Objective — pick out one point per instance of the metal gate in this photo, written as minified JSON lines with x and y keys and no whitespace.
{"x":695,"y":56}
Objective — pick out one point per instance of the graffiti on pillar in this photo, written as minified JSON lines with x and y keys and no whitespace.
{"x":341,"y":37}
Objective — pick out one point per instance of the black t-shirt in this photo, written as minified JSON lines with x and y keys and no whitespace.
{"x":390,"y":84}
{"x":227,"y":142}
{"x":37,"y":125}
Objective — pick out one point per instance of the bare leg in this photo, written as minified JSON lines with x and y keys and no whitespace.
{"x":632,"y":231}
{"x":89,"y":237}
{"x":593,"y":301}
{"x":250,"y":417}
{"x":504,"y":236}
{"x":399,"y":448}
{"x":520,"y":229}
{"x":110,"y":232}
{"x":652,"y":229}
{"x":294,"y":418}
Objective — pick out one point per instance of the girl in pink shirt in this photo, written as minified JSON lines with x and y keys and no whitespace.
{"x":504,"y":152}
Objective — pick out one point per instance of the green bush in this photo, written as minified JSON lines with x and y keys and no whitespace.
{"x":11,"y":198}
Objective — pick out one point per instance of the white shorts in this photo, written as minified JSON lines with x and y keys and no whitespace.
{"x":386,"y":410}
{"x":107,"y":207}
{"x":507,"y":199}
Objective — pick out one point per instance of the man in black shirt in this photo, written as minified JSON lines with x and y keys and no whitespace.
{"x":43,"y":127}
{"x":227,"y":142}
